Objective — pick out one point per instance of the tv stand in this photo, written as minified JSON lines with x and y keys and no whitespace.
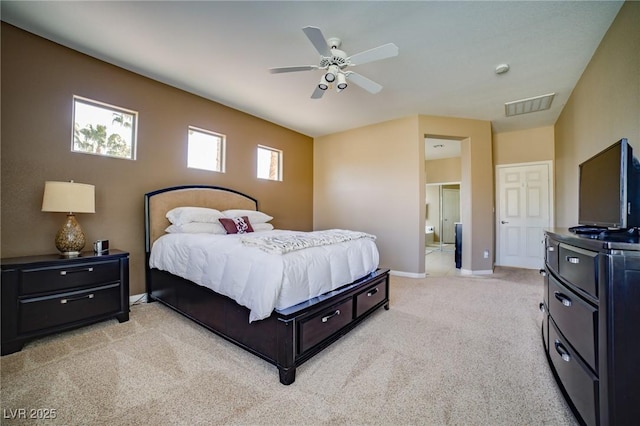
{"x":589,"y":328}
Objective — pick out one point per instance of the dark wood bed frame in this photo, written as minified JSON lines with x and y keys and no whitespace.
{"x":288,"y":337}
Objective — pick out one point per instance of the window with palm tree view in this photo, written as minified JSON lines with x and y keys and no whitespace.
{"x":269,"y":163}
{"x":103,"y":129}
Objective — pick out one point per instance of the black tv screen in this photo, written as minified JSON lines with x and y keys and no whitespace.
{"x":608,"y":196}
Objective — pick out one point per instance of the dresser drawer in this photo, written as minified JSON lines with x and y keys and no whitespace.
{"x":371,"y":297}
{"x":317,"y":327}
{"x":49,"y":279}
{"x":579,"y":267}
{"x":578,"y":381}
{"x":576,"y":319}
{"x":38,"y":313}
{"x":551,"y":254}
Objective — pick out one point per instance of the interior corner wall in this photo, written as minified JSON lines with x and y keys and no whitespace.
{"x":39,"y":79}
{"x":476,"y":186}
{"x":369,"y":179}
{"x":603,"y":108}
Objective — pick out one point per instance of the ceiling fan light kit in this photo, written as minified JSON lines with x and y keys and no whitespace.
{"x":335,"y":62}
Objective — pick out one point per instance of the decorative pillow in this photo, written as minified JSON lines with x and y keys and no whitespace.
{"x":253,"y":215}
{"x":261,"y":227}
{"x":182,"y":215}
{"x":197,"y":228}
{"x":238,"y":225}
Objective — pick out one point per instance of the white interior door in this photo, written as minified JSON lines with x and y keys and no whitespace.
{"x":450,"y":214}
{"x":524,"y":201}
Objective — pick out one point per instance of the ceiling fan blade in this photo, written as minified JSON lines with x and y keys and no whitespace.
{"x":292,"y":69}
{"x":317,"y":94}
{"x":317,"y":39}
{"x":381,"y":52}
{"x":368,"y":85}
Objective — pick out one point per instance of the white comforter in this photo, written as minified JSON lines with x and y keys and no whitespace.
{"x":259,"y":280}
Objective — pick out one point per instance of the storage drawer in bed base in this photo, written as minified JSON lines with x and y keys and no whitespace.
{"x":275,"y":338}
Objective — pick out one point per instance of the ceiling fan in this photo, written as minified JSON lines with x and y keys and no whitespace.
{"x":335,"y":62}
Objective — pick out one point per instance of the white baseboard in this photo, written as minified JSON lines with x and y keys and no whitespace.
{"x":481,"y":272}
{"x":138,"y":298}
{"x":408,"y":274}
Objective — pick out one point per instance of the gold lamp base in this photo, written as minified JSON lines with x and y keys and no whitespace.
{"x":70,"y":238}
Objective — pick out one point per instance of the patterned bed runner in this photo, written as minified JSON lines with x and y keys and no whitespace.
{"x":283,"y":244}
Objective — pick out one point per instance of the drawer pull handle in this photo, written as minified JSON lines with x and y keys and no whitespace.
{"x":573,"y":259}
{"x":550,"y":248}
{"x":73,"y":299}
{"x":562,"y":351}
{"x":372,"y":292}
{"x":563,"y":298}
{"x":328,"y":317}
{"x":76,"y":270}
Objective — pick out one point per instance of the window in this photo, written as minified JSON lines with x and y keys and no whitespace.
{"x":103,"y":129}
{"x":269,"y":163}
{"x":205,"y":150}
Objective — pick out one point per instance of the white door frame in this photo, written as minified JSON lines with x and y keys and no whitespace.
{"x":551,"y":181}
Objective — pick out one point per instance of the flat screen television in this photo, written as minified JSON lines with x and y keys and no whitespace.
{"x":609,"y":189}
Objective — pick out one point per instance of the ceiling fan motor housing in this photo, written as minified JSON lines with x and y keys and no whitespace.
{"x":338,"y":57}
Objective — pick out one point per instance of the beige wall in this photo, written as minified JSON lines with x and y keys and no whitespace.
{"x":603,"y":107}
{"x":443,"y":170}
{"x":373,"y":179}
{"x":39,"y":79}
{"x":523,"y":146}
{"x":368,"y":179}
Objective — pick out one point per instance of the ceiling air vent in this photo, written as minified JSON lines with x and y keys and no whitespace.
{"x":525,"y":106}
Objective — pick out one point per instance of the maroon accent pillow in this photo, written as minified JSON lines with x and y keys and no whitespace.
{"x":238,"y":225}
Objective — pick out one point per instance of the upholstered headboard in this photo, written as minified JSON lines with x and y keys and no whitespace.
{"x":158,"y":203}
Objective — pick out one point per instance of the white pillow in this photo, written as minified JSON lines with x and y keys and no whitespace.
{"x":196,"y":228}
{"x":255,"y":217}
{"x":182,"y":215}
{"x":261,"y":226}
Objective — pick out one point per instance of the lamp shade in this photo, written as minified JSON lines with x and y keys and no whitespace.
{"x":68,"y":197}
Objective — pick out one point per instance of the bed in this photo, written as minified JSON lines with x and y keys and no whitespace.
{"x":285,"y":337}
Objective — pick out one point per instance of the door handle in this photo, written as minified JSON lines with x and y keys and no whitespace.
{"x":503,"y":222}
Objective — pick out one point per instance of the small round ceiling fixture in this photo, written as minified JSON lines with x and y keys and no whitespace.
{"x":502,"y":68}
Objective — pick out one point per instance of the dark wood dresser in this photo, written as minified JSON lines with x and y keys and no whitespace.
{"x":49,"y":293}
{"x":591,"y":326}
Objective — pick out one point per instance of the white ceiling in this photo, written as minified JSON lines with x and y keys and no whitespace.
{"x":448,"y":53}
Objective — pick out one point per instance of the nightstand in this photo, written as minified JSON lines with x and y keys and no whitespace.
{"x":47,"y":294}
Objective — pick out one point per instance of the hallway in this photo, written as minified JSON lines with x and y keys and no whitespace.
{"x":440,"y":263}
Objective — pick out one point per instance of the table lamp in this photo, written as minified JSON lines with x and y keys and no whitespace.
{"x":69,"y":197}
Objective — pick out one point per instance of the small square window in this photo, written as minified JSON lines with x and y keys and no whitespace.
{"x":205,"y":150}
{"x":103,"y":129}
{"x":269,"y":163}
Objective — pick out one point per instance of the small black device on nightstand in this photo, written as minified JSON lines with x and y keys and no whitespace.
{"x":101,"y":246}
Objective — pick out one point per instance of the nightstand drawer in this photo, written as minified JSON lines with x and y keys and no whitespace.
{"x":37,"y":313}
{"x":48,"y":279}
{"x":320,"y":326}
{"x":370,"y":297}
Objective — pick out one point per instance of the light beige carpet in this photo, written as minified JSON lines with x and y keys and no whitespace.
{"x":450,"y":351}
